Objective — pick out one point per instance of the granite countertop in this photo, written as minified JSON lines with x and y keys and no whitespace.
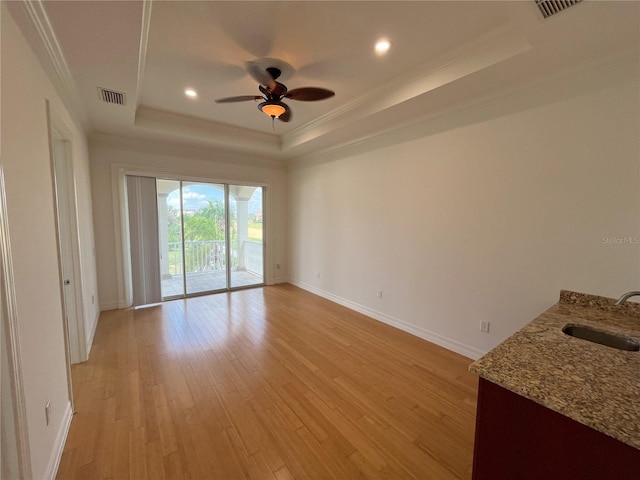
{"x":595,"y":385}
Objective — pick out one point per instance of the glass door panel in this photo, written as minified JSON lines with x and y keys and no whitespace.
{"x":202,"y":248}
{"x":246,"y":235}
{"x":170,"y":237}
{"x":204,"y":230}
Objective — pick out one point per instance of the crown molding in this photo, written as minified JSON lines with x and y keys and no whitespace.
{"x":40,"y":21}
{"x":574,"y":80}
{"x":180,"y":147}
{"x":34,"y":11}
{"x":144,"y":41}
{"x":206,"y":131}
{"x":483,"y":52}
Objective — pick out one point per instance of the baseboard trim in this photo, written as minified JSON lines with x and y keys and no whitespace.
{"x":110,"y":306}
{"x":58,"y":447}
{"x":92,"y":333}
{"x":446,"y":342}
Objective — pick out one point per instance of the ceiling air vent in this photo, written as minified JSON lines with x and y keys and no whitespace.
{"x":111,"y":96}
{"x":551,"y":7}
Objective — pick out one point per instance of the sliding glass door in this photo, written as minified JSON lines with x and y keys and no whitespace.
{"x":204,"y":227}
{"x":245,"y":218}
{"x":210,"y":237}
{"x":170,"y":237}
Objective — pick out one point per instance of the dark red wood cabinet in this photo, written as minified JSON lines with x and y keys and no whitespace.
{"x":518,"y":439}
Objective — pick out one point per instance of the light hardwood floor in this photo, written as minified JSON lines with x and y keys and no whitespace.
{"x":268,"y":383}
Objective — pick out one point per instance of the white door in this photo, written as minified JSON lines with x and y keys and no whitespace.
{"x":67,"y":235}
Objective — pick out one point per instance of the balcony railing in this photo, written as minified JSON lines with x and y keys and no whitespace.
{"x":210,"y":255}
{"x":253,"y":253}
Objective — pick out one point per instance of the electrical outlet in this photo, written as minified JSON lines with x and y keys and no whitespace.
{"x":379,"y":293}
{"x":47,"y":411}
{"x":93,"y":299}
{"x":278,"y":266}
{"x":318,"y":274}
{"x":484,"y":326}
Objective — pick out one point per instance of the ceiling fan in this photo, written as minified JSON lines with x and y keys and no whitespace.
{"x":273,"y":92}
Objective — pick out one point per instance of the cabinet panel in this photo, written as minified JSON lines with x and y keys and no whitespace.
{"x":518,"y":439}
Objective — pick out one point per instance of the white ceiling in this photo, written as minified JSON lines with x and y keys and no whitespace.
{"x":443,"y":54}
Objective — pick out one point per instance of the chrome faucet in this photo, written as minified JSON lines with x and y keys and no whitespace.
{"x":627,"y":296}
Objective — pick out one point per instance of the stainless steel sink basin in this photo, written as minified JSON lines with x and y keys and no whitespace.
{"x":603,"y":338}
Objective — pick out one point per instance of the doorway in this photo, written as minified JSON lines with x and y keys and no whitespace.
{"x":211,"y":237}
{"x":65,"y":196}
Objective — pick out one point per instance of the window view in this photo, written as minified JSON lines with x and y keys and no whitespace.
{"x":202,"y":248}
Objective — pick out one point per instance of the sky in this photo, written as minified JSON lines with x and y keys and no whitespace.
{"x":196,"y":196}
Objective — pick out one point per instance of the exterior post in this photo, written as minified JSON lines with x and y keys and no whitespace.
{"x":242,"y":205}
{"x":163,"y":234}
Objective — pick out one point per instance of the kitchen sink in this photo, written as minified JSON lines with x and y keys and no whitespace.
{"x":603,"y":338}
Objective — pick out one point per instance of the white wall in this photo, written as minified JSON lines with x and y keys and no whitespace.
{"x":485,"y":217}
{"x":27,"y":163}
{"x":183,"y":161}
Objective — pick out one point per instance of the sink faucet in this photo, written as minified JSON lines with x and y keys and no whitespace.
{"x":627,"y":296}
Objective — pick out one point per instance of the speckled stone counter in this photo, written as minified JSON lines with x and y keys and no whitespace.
{"x":595,"y":385}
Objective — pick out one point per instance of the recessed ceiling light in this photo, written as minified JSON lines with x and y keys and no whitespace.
{"x":382,"y":46}
{"x":190,"y":92}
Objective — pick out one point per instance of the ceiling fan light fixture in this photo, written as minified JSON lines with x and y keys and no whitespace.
{"x":272,"y":109}
{"x":273,"y":93}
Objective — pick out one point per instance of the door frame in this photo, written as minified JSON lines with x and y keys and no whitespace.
{"x":68,"y":261}
{"x":9,"y":316}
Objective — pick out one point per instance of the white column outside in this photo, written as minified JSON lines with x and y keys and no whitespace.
{"x":242,"y":205}
{"x":163,"y":227}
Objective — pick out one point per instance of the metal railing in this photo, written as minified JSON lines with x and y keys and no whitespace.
{"x":210,"y":255}
{"x":253,"y":257}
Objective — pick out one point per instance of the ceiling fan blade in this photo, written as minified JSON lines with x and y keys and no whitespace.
{"x":286,"y":116}
{"x":261,"y":75}
{"x":309,"y":94}
{"x":242,"y":98}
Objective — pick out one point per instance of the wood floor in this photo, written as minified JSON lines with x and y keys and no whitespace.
{"x":268,"y":383}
